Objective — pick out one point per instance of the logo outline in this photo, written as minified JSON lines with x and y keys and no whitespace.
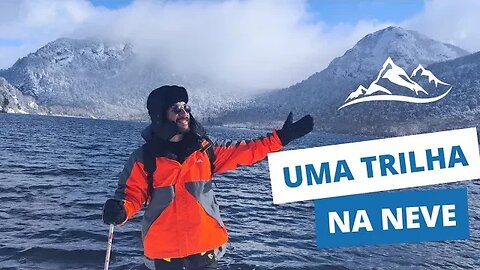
{"x":399,"y":77}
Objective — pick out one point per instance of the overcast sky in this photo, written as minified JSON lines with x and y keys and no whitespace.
{"x":253,"y":44}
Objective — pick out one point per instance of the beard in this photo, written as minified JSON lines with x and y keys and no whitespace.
{"x":182,"y":129}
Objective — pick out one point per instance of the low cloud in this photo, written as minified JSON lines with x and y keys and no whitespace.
{"x":32,"y":24}
{"x":454,"y":22}
{"x":249,"y":44}
{"x":257,"y":44}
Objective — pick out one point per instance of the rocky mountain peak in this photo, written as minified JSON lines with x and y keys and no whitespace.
{"x":350,"y":76}
{"x":103,"y":80}
{"x":39,"y":73}
{"x":405,"y":47}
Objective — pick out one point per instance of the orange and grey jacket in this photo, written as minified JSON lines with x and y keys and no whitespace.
{"x":183,"y":216}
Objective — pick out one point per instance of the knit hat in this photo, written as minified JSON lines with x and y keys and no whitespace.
{"x":163,"y":97}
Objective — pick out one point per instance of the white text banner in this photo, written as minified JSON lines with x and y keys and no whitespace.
{"x":376,"y":165}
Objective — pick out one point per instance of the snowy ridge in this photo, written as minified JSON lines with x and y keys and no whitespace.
{"x":104,"y":80}
{"x":107,"y":80}
{"x":324,"y":92}
{"x":13,"y":101}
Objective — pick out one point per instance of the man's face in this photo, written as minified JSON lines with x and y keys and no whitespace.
{"x":178,"y":113}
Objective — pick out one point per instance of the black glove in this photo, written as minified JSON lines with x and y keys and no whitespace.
{"x":114,"y":212}
{"x":291,"y":131}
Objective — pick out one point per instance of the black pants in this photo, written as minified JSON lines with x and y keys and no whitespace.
{"x":206,"y":261}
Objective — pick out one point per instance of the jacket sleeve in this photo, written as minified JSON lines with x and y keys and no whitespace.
{"x":229,"y":155}
{"x":132,"y":186}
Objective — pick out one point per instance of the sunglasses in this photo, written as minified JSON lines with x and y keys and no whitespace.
{"x":178,"y":108}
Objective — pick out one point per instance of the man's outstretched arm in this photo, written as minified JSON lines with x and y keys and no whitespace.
{"x":229,"y":155}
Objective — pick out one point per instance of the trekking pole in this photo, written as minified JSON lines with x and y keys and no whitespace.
{"x":109,"y":246}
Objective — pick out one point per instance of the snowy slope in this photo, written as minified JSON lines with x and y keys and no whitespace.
{"x":323,"y":92}
{"x":103,"y":80}
{"x":13,"y":101}
{"x":326,"y":90}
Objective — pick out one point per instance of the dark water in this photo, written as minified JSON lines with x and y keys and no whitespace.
{"x":56,"y":173}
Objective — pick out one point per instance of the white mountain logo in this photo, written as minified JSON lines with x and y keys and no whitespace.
{"x":392,"y":75}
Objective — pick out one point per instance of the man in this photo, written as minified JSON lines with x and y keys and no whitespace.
{"x":172,"y":173}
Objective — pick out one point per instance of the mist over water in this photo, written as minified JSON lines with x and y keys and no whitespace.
{"x":56,"y":173}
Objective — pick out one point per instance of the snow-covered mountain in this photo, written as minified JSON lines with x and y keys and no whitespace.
{"x":109,"y":80}
{"x":104,"y":80}
{"x":463,"y":103}
{"x":459,"y":109}
{"x":13,"y":101}
{"x":323,"y":92}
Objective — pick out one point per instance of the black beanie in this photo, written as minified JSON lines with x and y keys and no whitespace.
{"x":163,"y":97}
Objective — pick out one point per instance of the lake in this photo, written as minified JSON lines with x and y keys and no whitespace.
{"x":56,"y":173}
